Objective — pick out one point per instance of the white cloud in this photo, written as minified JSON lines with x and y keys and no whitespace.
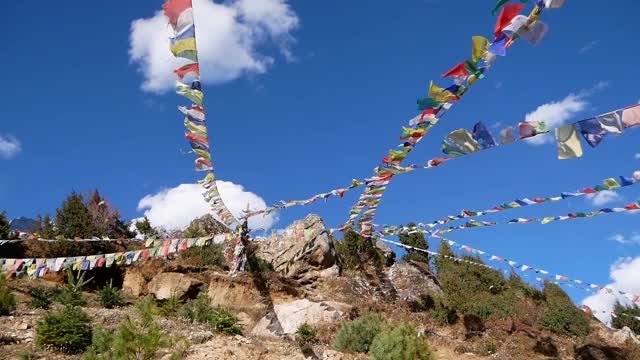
{"x":603,"y":197}
{"x":587,"y":47}
{"x":174,"y":208}
{"x":556,"y":113}
{"x":624,"y":274}
{"x":229,"y":35}
{"x":634,"y":239}
{"x":9,"y":147}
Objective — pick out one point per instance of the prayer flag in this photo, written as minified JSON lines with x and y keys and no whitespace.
{"x":592,"y":131}
{"x":499,"y":46}
{"x":439,"y":94}
{"x":611,"y":122}
{"x":173,"y":9}
{"x":506,"y":15}
{"x":631,"y":116}
{"x":569,"y":146}
{"x":506,"y":135}
{"x":482,"y":135}
{"x":458,"y":70}
{"x":189,"y":68}
{"x":553,"y":4}
{"x":480,"y":45}
{"x":459,"y":142}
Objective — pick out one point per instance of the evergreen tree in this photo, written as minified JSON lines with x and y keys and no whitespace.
{"x":46,"y":229}
{"x":416,"y":240}
{"x":5,"y":226}
{"x":119,"y":228}
{"x":626,"y":316}
{"x":145,"y":228}
{"x":73,"y":218}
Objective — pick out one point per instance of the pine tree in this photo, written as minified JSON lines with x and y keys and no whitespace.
{"x":416,"y":240}
{"x":626,"y":315}
{"x":46,"y":228}
{"x":5,"y":226}
{"x":119,"y":228}
{"x":73,"y":218}
{"x":145,"y":229}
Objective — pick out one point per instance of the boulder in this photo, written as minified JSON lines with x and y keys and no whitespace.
{"x":619,"y":337}
{"x":412,"y":279}
{"x":165,"y":285}
{"x":388,"y":252}
{"x":286,"y":318}
{"x":305,"y":252}
{"x":134,"y":283}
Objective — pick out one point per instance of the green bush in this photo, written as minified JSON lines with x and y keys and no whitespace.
{"x":225,"y":322}
{"x":170,"y":307}
{"x":71,"y":294}
{"x":221,"y":320}
{"x":400,"y":343}
{"x":628,"y":315}
{"x":7,"y":298}
{"x":68,"y":331}
{"x":41,"y":297}
{"x":110,"y":297}
{"x":256,"y":264}
{"x":306,"y":334}
{"x":357,"y":335}
{"x":561,"y":315}
{"x":439,"y":310}
{"x":355,"y":251}
{"x":212,"y":255}
{"x":137,"y":338}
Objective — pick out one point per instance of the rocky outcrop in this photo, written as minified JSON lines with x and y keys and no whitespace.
{"x":134,"y":283}
{"x":166,"y":285}
{"x":305,"y":252}
{"x":287,"y":317}
{"x":412,"y":279}
{"x":388,"y":252}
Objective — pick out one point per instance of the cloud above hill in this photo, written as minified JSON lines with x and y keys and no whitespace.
{"x":174,"y":208}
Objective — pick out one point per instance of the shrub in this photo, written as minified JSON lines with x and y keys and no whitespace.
{"x":110,"y":297}
{"x":355,"y":251}
{"x":225,"y":322}
{"x":439,"y":310}
{"x":357,"y":335}
{"x":41,"y":297}
{"x":212,"y":255}
{"x":306,"y":334}
{"x":561,"y":315}
{"x":628,"y":316}
{"x":68,"y":331}
{"x":256,"y":264}
{"x":170,"y":307}
{"x":399,"y":343}
{"x":221,"y":320}
{"x":72,"y":293}
{"x":7,"y":298}
{"x":138,"y":338}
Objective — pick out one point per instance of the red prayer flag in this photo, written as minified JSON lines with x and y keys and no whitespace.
{"x":458,"y":70}
{"x":506,"y":15}
{"x":173,"y":9}
{"x":184,"y":70}
{"x":632,"y":207}
{"x":589,"y":191}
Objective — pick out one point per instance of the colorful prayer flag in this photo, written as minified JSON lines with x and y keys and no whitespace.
{"x":569,"y":146}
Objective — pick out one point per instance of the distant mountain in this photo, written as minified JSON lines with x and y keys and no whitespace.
{"x":23,"y":224}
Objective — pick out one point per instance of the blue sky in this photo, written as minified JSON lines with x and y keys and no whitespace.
{"x":309,"y":97}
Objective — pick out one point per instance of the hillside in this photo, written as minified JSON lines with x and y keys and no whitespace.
{"x":305,"y":295}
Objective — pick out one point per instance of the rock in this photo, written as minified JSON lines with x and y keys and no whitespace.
{"x":305,"y":252}
{"x":619,"y":337}
{"x":411,"y":280}
{"x":22,"y":326}
{"x":289,"y":316}
{"x":388,"y":252}
{"x":134,"y":282}
{"x":332,"y":355}
{"x":165,"y":285}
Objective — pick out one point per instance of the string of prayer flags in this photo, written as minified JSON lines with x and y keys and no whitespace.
{"x":607,"y":184}
{"x":560,"y":278}
{"x":507,"y":14}
{"x":183,"y":45}
{"x":38,"y":267}
{"x":502,"y":3}
{"x":434,"y":107}
{"x":384,"y":173}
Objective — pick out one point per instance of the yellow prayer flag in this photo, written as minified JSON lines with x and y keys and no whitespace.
{"x":569,"y":146}
{"x":611,"y":183}
{"x":439,"y":94}
{"x":480,"y":47}
{"x":183,"y":45}
{"x":547,"y":220}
